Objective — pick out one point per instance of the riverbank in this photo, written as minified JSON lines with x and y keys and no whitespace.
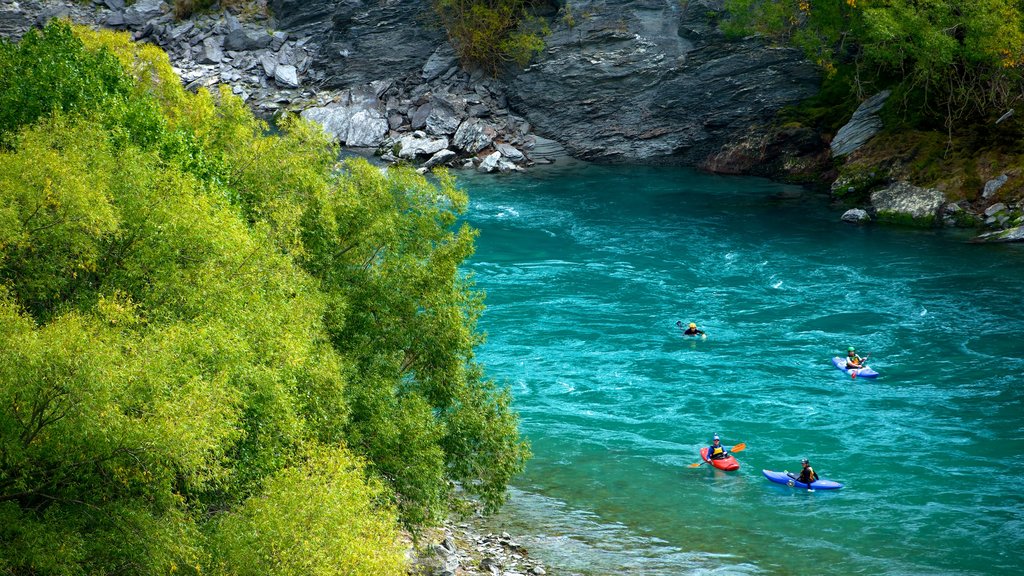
{"x":463,"y":547}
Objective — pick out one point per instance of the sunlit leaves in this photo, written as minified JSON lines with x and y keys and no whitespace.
{"x":198,"y":321}
{"x":319,"y":517}
{"x":953,"y":59}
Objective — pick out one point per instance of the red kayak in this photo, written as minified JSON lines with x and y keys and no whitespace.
{"x":727,"y":463}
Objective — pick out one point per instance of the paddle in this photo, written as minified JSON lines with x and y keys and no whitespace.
{"x":737,"y":448}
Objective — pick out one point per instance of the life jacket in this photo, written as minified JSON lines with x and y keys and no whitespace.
{"x":716,"y":451}
{"x":808,"y":475}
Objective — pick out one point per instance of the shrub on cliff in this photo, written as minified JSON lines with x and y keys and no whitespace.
{"x":492,"y":33}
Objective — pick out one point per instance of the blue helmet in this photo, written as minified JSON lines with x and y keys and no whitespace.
{"x":715,"y":437}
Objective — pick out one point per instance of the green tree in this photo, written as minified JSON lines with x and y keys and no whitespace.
{"x":200,"y":323}
{"x":954,"y":61}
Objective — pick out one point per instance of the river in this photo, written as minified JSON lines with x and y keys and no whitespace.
{"x":586,"y":271}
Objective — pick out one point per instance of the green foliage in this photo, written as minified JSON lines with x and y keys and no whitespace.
{"x":200,"y":324}
{"x":492,"y":33}
{"x":953,"y":62}
{"x":50,"y":71}
{"x":318,"y":517}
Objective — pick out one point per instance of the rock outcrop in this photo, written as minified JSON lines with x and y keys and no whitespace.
{"x":627,"y":81}
{"x":863,"y":125}
{"x":644,"y":81}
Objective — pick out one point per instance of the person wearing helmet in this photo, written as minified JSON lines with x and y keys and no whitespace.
{"x":716,"y":451}
{"x":690,"y":330}
{"x":853,"y":361}
{"x":807,"y":475}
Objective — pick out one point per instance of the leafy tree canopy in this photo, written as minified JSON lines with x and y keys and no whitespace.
{"x":222,"y":351}
{"x":955,"y":60}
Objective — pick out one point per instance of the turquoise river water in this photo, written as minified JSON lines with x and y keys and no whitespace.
{"x":587,"y":270}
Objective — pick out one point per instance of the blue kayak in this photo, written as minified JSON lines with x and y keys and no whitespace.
{"x":865,"y":372}
{"x":791,"y":480}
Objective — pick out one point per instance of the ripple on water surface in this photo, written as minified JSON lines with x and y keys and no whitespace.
{"x":586,"y":274}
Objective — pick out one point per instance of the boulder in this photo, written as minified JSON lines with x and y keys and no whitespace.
{"x":357,"y":122}
{"x":442,"y":120}
{"x":419,"y":144}
{"x":509,"y":151}
{"x":856,"y":215}
{"x":286,"y":76}
{"x":141,"y":12}
{"x":440,"y":158}
{"x":993,"y":186}
{"x":903,"y":202}
{"x":863,"y":125}
{"x":995,"y":209}
{"x":473,"y":135}
{"x":240,"y":40}
{"x":211,"y":52}
{"x":269,"y":63}
{"x":494,"y":162}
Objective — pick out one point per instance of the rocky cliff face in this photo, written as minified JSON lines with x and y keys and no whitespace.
{"x":644,"y":80}
{"x":362,"y":41}
{"x":620,"y":80}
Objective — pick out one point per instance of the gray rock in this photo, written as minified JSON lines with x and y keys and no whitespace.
{"x":440,"y":158}
{"x":381,"y":34}
{"x":904,"y":200}
{"x":418,"y":144}
{"x":286,"y":76}
{"x":14,"y":23}
{"x":239,"y":39}
{"x":115,"y":5}
{"x":510,"y":152}
{"x":495,"y":163}
{"x":993,"y":186}
{"x":354,"y":123}
{"x":1008,"y":235}
{"x":269,"y":63}
{"x":856,"y":215}
{"x":395,"y":120}
{"x":182,"y":30}
{"x":863,"y":125}
{"x":115,"y":20}
{"x":995,"y":209}
{"x":419,"y":117}
{"x":211,"y":51}
{"x":440,"y":62}
{"x":443,"y":119}
{"x":473,"y":135}
{"x":278,"y":39}
{"x":141,"y":12}
{"x":640,"y":80}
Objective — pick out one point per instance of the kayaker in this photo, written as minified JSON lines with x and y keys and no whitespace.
{"x":807,"y":475}
{"x":853,"y":361}
{"x":690,"y":330}
{"x":716,"y":451}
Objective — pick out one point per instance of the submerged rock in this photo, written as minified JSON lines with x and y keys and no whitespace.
{"x":856,"y":215}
